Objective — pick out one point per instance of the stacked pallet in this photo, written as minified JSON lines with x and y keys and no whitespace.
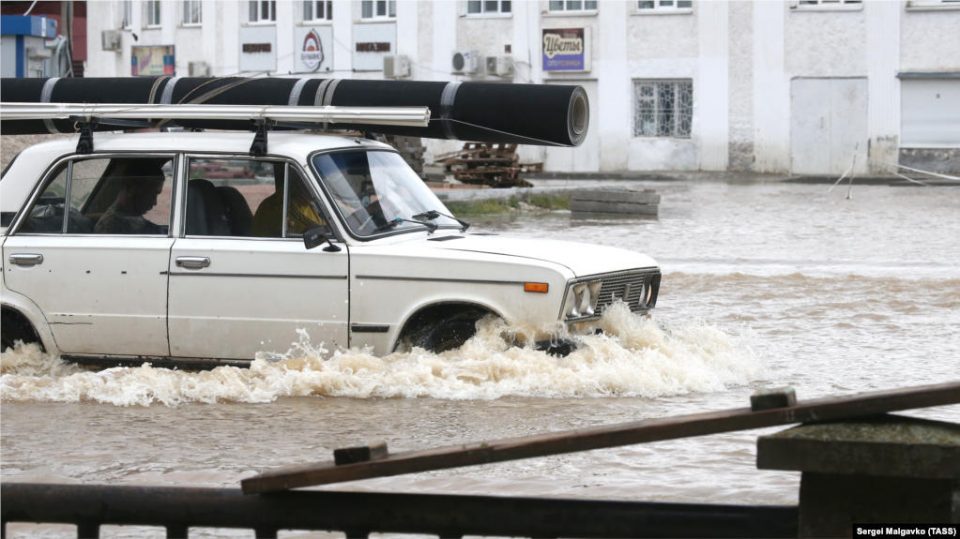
{"x":495,"y":165}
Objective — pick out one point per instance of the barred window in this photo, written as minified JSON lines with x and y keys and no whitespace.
{"x":317,"y":10}
{"x":662,"y":108}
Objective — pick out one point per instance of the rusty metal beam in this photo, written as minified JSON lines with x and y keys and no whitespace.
{"x":360,"y":513}
{"x":649,"y":430}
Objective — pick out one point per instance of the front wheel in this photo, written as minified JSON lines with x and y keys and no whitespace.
{"x":447,"y":334}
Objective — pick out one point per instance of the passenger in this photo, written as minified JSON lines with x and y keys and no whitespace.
{"x":139,"y":189}
{"x":301,"y":212}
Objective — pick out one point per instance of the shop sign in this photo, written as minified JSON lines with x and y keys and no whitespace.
{"x":566,"y":49}
{"x":371,"y":42}
{"x":153,"y":61}
{"x":313,"y":49}
{"x":258,"y":48}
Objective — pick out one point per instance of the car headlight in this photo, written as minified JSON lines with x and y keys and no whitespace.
{"x":582,"y":299}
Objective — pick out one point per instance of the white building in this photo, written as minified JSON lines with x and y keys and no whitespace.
{"x":801,"y":87}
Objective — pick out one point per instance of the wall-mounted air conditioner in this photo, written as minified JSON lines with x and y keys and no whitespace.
{"x":501,"y":66}
{"x":396,"y":66}
{"x":465,"y":62}
{"x":110,"y":40}
{"x":198,"y":69}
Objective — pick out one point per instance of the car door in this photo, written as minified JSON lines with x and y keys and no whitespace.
{"x":241,"y":279}
{"x":92,"y":252}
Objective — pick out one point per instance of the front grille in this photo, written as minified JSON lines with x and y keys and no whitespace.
{"x":631,"y":288}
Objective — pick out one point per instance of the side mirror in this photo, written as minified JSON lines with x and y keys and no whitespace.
{"x":318,"y":235}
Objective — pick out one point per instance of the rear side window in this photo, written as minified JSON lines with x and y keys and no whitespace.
{"x":247,"y":198}
{"x":119,"y":195}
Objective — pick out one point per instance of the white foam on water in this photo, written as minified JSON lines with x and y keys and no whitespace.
{"x":635,"y":356}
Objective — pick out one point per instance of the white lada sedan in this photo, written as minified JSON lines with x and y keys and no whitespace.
{"x":184,"y":247}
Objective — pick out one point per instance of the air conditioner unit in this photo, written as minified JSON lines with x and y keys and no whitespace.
{"x":501,"y":66}
{"x":110,"y":40}
{"x":198,"y":69}
{"x":396,"y":66}
{"x":465,"y":61}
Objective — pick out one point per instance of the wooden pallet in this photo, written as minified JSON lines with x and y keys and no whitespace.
{"x":492,"y":164}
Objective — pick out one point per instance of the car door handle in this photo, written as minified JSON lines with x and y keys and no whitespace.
{"x":193,"y":262}
{"x":26,"y":259}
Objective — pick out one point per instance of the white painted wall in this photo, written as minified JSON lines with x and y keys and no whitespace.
{"x":740,"y":55}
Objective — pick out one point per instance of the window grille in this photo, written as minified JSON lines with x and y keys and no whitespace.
{"x":573,"y":5}
{"x":378,"y":9}
{"x":192,"y":11}
{"x":318,"y":10}
{"x":664,"y":5}
{"x":477,"y":7}
{"x":263,"y":11}
{"x":662,"y":108}
{"x":152,"y":8}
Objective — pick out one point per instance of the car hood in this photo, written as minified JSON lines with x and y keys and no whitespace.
{"x":581,"y":258}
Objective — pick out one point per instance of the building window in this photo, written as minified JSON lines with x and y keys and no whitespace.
{"x":378,"y":9}
{"x":573,"y":5}
{"x":192,"y":12}
{"x":479,"y":7}
{"x":263,"y":11}
{"x":819,"y":5}
{"x":664,"y":5}
{"x":317,"y":10}
{"x":921,"y":5}
{"x":152,"y":8}
{"x":126,"y":14}
{"x":662,"y":108}
{"x":827,"y":2}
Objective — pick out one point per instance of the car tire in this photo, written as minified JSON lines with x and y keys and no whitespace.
{"x":13,"y":328}
{"x":448,"y":334}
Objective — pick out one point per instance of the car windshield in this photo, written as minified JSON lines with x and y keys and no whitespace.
{"x":377,"y":192}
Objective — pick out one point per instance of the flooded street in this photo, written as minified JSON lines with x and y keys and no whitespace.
{"x":765,"y":285}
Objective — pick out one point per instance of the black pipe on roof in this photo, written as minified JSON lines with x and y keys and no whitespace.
{"x":477,"y":111}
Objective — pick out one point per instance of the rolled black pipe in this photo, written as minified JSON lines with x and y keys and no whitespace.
{"x":477,"y":111}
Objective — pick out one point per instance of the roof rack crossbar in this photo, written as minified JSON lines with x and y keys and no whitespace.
{"x":392,"y":116}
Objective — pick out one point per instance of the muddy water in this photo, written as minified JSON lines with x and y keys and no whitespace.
{"x":764,"y":286}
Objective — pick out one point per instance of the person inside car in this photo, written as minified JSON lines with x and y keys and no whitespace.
{"x":140,"y":185}
{"x":302,"y":213}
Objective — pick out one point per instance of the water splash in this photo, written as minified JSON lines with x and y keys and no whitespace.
{"x":635,"y":356}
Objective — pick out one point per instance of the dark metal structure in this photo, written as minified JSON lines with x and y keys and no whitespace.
{"x":360,"y":513}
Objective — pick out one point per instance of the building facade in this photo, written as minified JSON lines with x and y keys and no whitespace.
{"x":793,"y":87}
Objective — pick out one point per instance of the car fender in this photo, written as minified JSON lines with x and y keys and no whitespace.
{"x":436,"y":302}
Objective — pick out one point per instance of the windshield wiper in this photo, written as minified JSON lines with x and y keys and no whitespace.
{"x":433,"y":214}
{"x":389,"y":225}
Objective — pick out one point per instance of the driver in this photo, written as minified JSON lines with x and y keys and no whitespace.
{"x":140,"y":185}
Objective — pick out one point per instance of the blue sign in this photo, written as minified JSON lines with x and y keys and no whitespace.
{"x":565,"y":49}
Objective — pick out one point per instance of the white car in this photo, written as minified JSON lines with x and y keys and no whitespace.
{"x":183,"y":246}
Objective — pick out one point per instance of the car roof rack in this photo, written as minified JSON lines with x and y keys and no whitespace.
{"x":262,"y":117}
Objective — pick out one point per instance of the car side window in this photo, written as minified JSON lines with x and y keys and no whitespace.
{"x":245,"y":198}
{"x":119,"y":195}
